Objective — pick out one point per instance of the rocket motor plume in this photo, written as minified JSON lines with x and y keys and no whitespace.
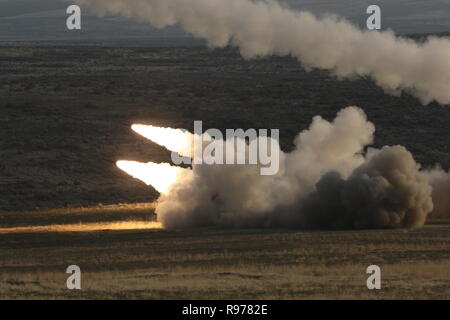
{"x":159,"y":175}
{"x":262,"y":28}
{"x":177,"y":140}
{"x":326,"y":182}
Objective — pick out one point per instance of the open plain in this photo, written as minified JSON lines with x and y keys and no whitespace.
{"x":65,"y":118}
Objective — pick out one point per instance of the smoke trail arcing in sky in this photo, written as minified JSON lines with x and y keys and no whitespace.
{"x":328,"y":181}
{"x":262,"y":28}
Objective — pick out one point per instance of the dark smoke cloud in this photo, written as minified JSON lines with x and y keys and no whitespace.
{"x":440,"y":183}
{"x":387,"y":191}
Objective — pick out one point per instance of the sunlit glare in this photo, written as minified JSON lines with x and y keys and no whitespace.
{"x":85,"y":227}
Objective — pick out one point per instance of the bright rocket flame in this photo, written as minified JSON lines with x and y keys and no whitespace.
{"x":160,"y":175}
{"x":175,"y":140}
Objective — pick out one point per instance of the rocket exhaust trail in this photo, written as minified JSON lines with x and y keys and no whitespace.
{"x":264,"y":28}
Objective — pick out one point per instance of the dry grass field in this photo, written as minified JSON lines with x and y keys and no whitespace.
{"x":138,"y":260}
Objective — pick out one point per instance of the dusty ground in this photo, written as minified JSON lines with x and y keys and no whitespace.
{"x":216,"y":264}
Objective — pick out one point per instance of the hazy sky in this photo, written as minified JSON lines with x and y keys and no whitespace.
{"x":45,"y":19}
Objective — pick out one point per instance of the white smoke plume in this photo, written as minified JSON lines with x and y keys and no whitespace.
{"x":262,"y":28}
{"x":328,"y":181}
